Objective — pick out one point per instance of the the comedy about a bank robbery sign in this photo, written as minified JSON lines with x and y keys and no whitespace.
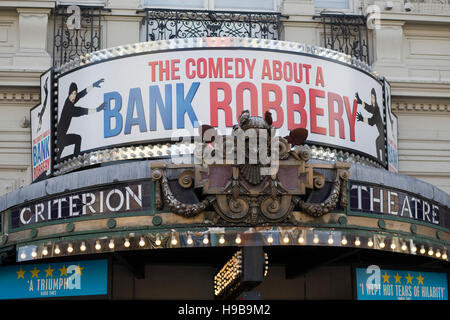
{"x":155,"y":96}
{"x":391,"y":130}
{"x":54,"y":279}
{"x":41,"y":138}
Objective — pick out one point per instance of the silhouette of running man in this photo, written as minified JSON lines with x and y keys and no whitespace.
{"x":41,"y":113}
{"x":376,"y":120}
{"x":69,"y":111}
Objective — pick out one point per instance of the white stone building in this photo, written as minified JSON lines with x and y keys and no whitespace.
{"x":409,"y":44}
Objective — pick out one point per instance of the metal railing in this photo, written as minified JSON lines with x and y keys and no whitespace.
{"x":75,"y":33}
{"x":346,"y":33}
{"x":165,"y":24}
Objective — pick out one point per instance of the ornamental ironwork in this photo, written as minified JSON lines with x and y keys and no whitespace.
{"x":76,"y":31}
{"x":346,"y":33}
{"x":165,"y":24}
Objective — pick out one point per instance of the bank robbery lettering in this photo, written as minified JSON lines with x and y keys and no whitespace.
{"x":121,"y":198}
{"x":385,"y":201}
{"x":41,"y":154}
{"x":41,"y":137}
{"x":157,"y":96}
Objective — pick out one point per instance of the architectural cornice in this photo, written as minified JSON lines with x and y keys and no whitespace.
{"x":28,"y":4}
{"x":20,"y":77}
{"x":19,"y":96}
{"x":418,"y":88}
{"x":425,"y":107}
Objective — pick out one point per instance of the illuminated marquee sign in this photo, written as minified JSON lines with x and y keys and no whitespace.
{"x":245,"y":270}
{"x":154,"y":96}
{"x":54,"y":279}
{"x":118,"y":199}
{"x":385,"y":201}
{"x":41,"y":130}
{"x":374,"y":283}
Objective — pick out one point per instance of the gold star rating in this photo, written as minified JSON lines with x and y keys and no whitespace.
{"x":409,"y":279}
{"x":79,"y":269}
{"x":20,"y":273}
{"x":385,"y":277}
{"x":35,"y":272}
{"x":397,"y":278}
{"x":49,"y":272}
{"x":63,"y":271}
{"x":420,"y":279}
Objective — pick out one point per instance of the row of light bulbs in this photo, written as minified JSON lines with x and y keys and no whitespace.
{"x":238,"y":241}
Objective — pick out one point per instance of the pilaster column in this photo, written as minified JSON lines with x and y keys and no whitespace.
{"x":388,"y":49}
{"x":300,"y":27}
{"x":298,"y":7}
{"x":33,"y":32}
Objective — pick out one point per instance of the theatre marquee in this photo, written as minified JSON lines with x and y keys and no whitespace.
{"x":162,"y":91}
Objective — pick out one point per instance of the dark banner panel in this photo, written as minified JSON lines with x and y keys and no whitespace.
{"x":120,"y":198}
{"x":392,"y":202}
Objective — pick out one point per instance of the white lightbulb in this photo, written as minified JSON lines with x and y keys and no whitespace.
{"x":98,"y":246}
{"x":444,"y":255}
{"x":222,"y":239}
{"x":430,"y":252}
{"x":370,"y":243}
{"x":69,"y":248}
{"x":23,"y":255}
{"x":111,"y":244}
{"x":238,"y":239}
{"x":438,"y":254}
{"x":344,"y":241}
{"x":270,"y":239}
{"x":286,"y":239}
{"x":357,"y":242}
{"x":382,"y":244}
{"x":316,"y":239}
{"x":190,"y":241}
{"x":142,"y":242}
{"x":422,"y":250}
{"x":393,"y":246}
{"x":127,"y":243}
{"x":45,"y":251}
{"x":404,"y":247}
{"x":301,"y":239}
{"x":414,"y":249}
{"x":34,"y":254}
{"x":174,"y":241}
{"x":205,"y":239}
{"x":57,"y":250}
{"x":83,"y":246}
{"x":330,"y":240}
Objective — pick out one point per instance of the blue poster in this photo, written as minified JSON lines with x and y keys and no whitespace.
{"x":54,"y":279}
{"x":373,"y":283}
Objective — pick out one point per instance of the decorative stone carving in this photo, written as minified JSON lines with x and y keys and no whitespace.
{"x":244,"y":193}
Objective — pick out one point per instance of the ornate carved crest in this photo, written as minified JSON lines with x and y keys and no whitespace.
{"x":253,"y":191}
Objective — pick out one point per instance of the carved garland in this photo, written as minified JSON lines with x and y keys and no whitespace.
{"x":239,"y":206}
{"x":185,"y":210}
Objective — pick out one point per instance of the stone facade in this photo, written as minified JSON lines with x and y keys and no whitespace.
{"x":410,"y":48}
